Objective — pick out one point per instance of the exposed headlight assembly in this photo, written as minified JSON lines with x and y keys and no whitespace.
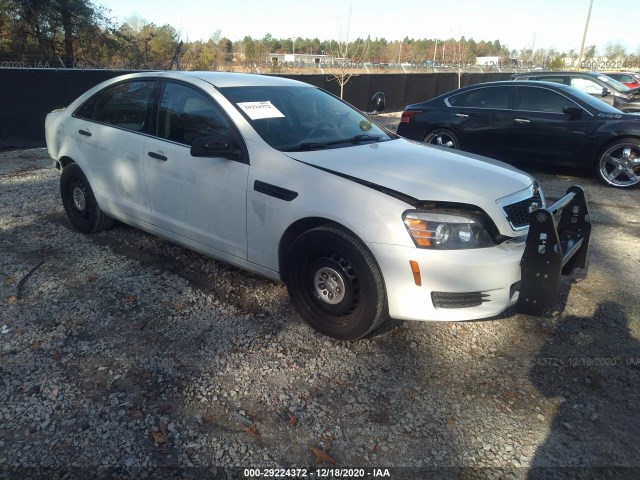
{"x":446,"y":231}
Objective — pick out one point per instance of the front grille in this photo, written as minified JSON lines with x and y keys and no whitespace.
{"x":458,"y":300}
{"x":518,"y":213}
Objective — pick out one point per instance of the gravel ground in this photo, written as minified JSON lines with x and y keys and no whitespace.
{"x":122,"y":351}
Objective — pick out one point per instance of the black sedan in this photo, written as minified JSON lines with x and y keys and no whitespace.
{"x":532,"y":123}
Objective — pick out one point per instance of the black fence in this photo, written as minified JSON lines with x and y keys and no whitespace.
{"x":27,"y":95}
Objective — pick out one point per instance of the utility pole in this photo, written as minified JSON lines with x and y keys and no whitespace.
{"x":584,"y":35}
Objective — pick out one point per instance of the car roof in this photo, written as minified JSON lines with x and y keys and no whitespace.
{"x":528,"y":83}
{"x":222,"y":79}
{"x":228,"y":79}
{"x":559,"y":87}
{"x":553,"y":74}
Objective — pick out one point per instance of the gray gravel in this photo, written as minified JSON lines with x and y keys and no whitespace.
{"x":123,"y":350}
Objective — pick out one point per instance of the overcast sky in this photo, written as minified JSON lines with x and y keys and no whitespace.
{"x":517,"y":23}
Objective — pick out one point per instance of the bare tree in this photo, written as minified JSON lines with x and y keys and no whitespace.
{"x":615,"y":51}
{"x":347,"y":56}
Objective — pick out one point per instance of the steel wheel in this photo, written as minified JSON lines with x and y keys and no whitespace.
{"x":79,"y":202}
{"x":442,"y":138}
{"x":619,"y":165}
{"x":335,"y":284}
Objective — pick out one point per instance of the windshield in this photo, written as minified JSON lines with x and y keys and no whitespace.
{"x":615,"y":84}
{"x":303,"y":118}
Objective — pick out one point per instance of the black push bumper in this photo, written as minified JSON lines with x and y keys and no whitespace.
{"x":553,"y":250}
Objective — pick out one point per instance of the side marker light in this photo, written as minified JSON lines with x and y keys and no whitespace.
{"x":415,"y":269}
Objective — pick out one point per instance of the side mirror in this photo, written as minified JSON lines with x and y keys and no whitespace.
{"x":378,"y":102}
{"x":213,"y":146}
{"x":605,"y":91}
{"x":571,"y":110}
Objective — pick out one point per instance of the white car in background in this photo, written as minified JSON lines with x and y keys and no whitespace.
{"x":285,"y":180}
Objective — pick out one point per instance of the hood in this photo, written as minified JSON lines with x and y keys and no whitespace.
{"x":428,"y":173}
{"x":423,"y":172}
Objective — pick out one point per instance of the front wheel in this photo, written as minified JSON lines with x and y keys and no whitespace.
{"x":335,"y":283}
{"x":619,"y":164}
{"x":442,"y":138}
{"x":80,"y":203}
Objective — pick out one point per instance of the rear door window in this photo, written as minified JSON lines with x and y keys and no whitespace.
{"x":125,"y":105}
{"x":489,"y":97}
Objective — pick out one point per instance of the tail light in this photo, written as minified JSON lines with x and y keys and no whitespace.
{"x":406,"y":116}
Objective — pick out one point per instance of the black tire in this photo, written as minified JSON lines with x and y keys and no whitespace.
{"x":335,"y":283}
{"x":442,"y":137}
{"x":618,"y":164}
{"x":80,"y":203}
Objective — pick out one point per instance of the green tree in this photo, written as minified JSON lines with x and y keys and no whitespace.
{"x":50,"y":28}
{"x":590,"y":52}
{"x":162,"y":46}
{"x":557,"y":63}
{"x":249,"y":49}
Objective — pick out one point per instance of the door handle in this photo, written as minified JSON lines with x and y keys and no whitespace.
{"x":157,"y":156}
{"x":85,"y":133}
{"x":521,"y":120}
{"x":462,"y":115}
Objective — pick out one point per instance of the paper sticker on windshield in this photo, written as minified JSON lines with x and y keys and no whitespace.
{"x":259,"y":110}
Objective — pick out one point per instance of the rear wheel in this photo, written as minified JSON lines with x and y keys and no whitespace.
{"x":80,"y":203}
{"x":335,"y":283}
{"x":442,"y":138}
{"x":619,"y":164}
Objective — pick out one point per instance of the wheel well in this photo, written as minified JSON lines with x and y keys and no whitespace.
{"x":64,"y":161}
{"x":294,"y":231}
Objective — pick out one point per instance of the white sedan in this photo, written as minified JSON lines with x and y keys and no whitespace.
{"x":285,"y":180}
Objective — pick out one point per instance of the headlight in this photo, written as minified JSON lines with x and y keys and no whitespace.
{"x":445,"y":231}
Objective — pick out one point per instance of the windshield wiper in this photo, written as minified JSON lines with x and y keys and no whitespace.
{"x":356,"y":139}
{"x":320,"y":145}
{"x":301,"y":147}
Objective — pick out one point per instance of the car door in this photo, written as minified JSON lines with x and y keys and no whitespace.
{"x":541,"y":133}
{"x":200,"y":198}
{"x":110,"y":131}
{"x":482,"y":117}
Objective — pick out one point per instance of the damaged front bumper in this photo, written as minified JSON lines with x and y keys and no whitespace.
{"x":553,"y":250}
